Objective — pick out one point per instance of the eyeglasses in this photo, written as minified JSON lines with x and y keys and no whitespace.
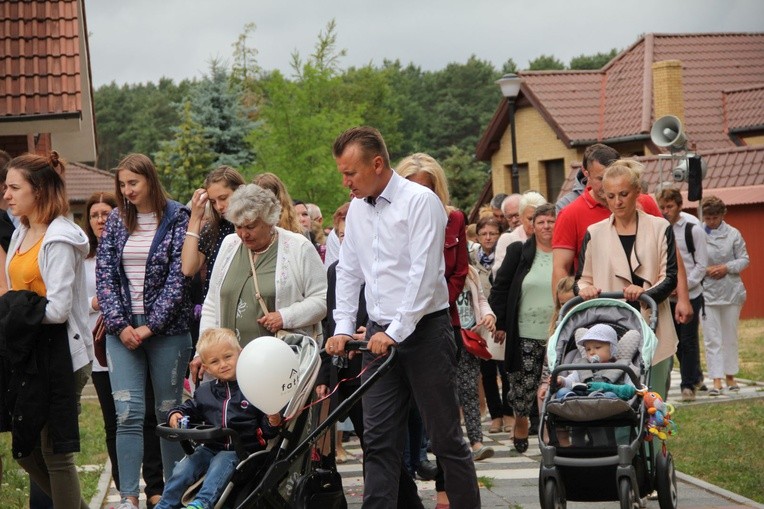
{"x":511,"y":216}
{"x":100,"y":215}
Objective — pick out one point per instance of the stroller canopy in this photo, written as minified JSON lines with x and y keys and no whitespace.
{"x":610,"y":311}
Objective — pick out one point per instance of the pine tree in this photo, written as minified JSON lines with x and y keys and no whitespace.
{"x":217,"y":106}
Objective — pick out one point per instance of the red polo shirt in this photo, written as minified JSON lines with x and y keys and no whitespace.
{"x":573,"y":220}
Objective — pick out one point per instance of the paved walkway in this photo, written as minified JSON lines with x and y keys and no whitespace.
{"x":513,"y":477}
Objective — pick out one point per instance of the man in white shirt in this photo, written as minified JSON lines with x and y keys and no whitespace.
{"x":695,"y":258}
{"x":394,"y":237}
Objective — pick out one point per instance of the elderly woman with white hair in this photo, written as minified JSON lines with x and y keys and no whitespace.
{"x":265,"y":278}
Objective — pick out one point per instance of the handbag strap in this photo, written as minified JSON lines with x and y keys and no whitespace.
{"x":258,"y":297}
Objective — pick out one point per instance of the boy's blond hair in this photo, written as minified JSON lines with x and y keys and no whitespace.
{"x":214,"y":337}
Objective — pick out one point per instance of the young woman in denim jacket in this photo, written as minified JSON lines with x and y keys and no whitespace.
{"x":144,"y":298}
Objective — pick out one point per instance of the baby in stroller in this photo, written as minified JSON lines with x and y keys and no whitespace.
{"x":600,"y":344}
{"x":218,"y":403}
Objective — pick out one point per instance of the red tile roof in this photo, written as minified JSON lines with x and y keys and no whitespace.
{"x":83,"y":180}
{"x":744,"y":109}
{"x":615,"y":103}
{"x":40,"y":59}
{"x":734,"y":174}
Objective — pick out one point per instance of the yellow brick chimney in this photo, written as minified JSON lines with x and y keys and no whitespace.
{"x":668,"y":93}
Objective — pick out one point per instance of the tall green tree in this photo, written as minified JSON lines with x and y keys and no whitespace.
{"x":461,"y":100}
{"x":509,"y":67}
{"x":136,"y":118}
{"x":440,"y":109}
{"x":546,"y":63}
{"x":592,"y":62}
{"x":184,"y":161}
{"x":217,"y":105}
{"x":466,"y":177}
{"x":302,"y":116}
{"x":409,"y":100}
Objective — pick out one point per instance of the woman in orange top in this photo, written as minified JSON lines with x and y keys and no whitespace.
{"x":46,"y":256}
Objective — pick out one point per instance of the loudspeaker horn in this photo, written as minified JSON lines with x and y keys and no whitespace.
{"x":683,"y":170}
{"x":667,"y":132}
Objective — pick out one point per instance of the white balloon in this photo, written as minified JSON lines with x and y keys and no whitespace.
{"x":268,"y":373}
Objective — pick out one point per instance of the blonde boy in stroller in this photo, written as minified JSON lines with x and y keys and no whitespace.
{"x":221,"y":403}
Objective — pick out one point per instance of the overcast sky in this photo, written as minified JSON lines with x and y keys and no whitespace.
{"x":142,"y":40}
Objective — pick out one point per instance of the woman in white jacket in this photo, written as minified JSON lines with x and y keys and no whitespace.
{"x":46,"y":257}
{"x":289,"y":291}
{"x":723,"y":294}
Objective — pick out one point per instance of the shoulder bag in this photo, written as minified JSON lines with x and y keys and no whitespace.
{"x":281,"y":333}
{"x":475,"y":344}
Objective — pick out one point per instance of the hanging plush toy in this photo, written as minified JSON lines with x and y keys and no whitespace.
{"x":659,"y":422}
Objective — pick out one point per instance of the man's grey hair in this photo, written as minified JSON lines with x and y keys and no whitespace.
{"x":530,"y":199}
{"x":250,"y":203}
{"x":509,"y":199}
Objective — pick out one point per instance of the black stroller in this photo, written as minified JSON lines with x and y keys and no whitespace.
{"x":284,"y":475}
{"x":597,"y":448}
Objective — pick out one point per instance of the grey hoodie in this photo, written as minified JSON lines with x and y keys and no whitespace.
{"x":63,"y":249}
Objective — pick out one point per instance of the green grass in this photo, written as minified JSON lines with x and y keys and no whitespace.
{"x":751,"y":349}
{"x":14,"y":491}
{"x":720,"y":443}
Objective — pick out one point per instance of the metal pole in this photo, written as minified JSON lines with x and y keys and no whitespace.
{"x":515,"y":170}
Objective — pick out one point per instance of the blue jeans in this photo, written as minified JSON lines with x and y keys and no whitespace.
{"x":219,"y":468}
{"x":166,"y":359}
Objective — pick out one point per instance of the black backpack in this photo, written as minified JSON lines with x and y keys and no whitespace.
{"x":688,"y":239}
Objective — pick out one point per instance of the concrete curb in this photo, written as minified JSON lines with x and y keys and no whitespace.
{"x":712,"y":488}
{"x":103,"y":487}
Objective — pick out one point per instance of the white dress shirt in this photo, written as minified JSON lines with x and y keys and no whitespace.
{"x":396,"y":247}
{"x":332,"y":249}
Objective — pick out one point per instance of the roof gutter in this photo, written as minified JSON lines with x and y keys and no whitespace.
{"x":34,"y":118}
{"x":619,"y":139}
{"x":747,"y":129}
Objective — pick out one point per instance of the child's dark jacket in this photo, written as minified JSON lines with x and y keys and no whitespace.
{"x":222,"y":404}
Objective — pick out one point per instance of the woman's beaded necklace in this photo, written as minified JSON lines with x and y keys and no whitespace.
{"x":273,"y":239}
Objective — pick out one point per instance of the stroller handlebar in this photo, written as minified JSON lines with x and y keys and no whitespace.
{"x":201,"y":433}
{"x":356,"y":346}
{"x":644,"y":298}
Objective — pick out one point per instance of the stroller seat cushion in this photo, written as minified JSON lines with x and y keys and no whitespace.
{"x":585,"y":408}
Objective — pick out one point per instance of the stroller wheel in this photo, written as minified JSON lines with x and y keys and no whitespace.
{"x":626,"y":495}
{"x":665,"y":481}
{"x":552,"y":496}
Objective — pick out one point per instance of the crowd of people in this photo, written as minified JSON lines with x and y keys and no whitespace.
{"x":123,"y":297}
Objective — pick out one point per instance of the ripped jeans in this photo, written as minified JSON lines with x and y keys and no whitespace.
{"x":166,"y":358}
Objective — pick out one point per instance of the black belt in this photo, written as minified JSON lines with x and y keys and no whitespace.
{"x":429,"y":316}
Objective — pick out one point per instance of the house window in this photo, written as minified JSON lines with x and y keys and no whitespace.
{"x":555,"y":178}
{"x":524,"y":179}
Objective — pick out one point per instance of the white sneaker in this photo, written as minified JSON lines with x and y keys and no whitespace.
{"x":126,"y":504}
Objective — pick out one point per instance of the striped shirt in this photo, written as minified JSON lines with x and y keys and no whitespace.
{"x":134,"y":257}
